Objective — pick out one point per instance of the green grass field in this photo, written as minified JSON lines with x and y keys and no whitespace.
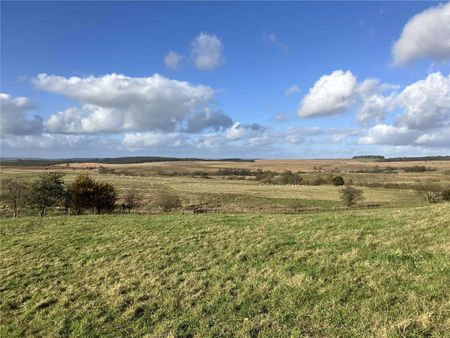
{"x":382,"y":272}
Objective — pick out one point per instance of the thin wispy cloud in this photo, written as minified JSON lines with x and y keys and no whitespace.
{"x":273,"y":40}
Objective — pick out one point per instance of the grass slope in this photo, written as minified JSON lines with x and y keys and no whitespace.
{"x":355,"y":273}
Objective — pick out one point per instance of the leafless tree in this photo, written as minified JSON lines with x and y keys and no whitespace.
{"x":167,"y":201}
{"x":16,"y":193}
{"x":132,"y":200}
{"x":430,"y":192}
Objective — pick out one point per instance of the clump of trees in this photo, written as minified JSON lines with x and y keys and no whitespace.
{"x":87,"y":194}
{"x":49,"y":190}
{"x":351,"y":196}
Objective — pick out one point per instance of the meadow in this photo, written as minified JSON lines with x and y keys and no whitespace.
{"x":265,"y":260}
{"x":225,"y":194}
{"x":354,"y":273}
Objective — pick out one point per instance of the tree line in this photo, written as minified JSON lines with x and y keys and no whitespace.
{"x":49,"y":190}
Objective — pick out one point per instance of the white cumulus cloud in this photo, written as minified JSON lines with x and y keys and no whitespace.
{"x":427,"y":34}
{"x":387,"y":134}
{"x":13,"y":118}
{"x":331,"y":94}
{"x":373,"y":103}
{"x":117,"y":103}
{"x":438,"y":138}
{"x":207,"y":51}
{"x":426,"y":103}
{"x":423,"y":117}
{"x":153,"y":139}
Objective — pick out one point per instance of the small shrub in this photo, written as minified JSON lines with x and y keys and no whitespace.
{"x":338,"y":180}
{"x":105,"y":170}
{"x":167,"y":201}
{"x":445,"y":194}
{"x":350,"y":196}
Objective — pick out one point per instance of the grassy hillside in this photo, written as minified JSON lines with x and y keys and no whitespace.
{"x":353,"y":273}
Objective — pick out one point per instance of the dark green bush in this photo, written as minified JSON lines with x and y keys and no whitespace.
{"x":338,"y":180}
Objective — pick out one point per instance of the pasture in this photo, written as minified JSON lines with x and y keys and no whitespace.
{"x":223,"y":194}
{"x":352,"y":273}
{"x":266,"y":260}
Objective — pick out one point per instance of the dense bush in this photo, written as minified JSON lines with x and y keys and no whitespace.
{"x":85,"y":194}
{"x":82,"y":192}
{"x":338,"y":180}
{"x":350,"y":196}
{"x":105,"y":197}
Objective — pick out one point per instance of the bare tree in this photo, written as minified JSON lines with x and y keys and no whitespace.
{"x":167,"y":201}
{"x":16,"y":193}
{"x":430,"y":192}
{"x":132,"y":200}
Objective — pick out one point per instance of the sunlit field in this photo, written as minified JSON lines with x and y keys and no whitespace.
{"x":352,"y":273}
{"x":265,"y":260}
{"x":243,"y":194}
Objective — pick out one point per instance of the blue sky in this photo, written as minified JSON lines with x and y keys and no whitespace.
{"x":236,"y":63}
